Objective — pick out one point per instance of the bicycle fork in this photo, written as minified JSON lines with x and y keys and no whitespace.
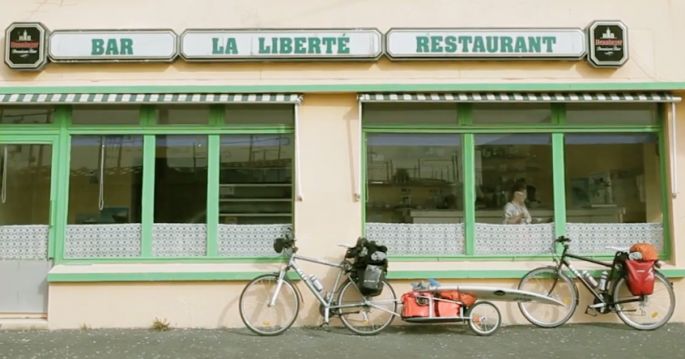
{"x":279,"y":284}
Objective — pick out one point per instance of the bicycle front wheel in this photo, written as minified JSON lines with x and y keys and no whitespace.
{"x":548,"y":281}
{"x":647,"y":312}
{"x":254,"y":307}
{"x":366,"y":315}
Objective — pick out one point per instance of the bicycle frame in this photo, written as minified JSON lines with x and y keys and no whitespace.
{"x":603,"y":300}
{"x":327,"y":302}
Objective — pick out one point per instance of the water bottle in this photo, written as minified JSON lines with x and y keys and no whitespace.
{"x":603,"y":281}
{"x":589,"y":278}
{"x":316,"y":283}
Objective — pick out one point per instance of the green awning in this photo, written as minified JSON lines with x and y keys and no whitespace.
{"x":143,"y":99}
{"x":518,"y":97}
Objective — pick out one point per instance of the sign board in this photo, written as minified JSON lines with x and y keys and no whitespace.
{"x":608,"y":45}
{"x":485,"y":43}
{"x":25,"y":46}
{"x":112,"y":46}
{"x":247,"y":45}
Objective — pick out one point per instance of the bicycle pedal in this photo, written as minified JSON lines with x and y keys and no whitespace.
{"x":591,"y":311}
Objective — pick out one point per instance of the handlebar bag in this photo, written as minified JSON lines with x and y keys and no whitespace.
{"x":415,"y":305}
{"x":640,"y":277}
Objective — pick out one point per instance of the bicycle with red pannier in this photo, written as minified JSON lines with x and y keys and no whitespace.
{"x":632,"y":287}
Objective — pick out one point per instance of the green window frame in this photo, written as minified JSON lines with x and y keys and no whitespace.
{"x":557,"y":129}
{"x":59,"y":133}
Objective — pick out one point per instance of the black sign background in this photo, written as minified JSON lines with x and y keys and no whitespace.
{"x":22,"y":52}
{"x":608,"y":44}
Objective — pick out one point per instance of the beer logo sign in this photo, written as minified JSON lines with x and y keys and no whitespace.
{"x":608,"y":44}
{"x":25,"y":46}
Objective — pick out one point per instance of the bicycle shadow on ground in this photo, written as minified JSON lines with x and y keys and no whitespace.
{"x":419,"y":329}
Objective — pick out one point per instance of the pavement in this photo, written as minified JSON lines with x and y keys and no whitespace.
{"x":414,"y":341}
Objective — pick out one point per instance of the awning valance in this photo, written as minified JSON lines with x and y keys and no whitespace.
{"x":143,"y":99}
{"x":519,"y":97}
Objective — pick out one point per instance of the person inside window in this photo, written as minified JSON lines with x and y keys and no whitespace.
{"x":515,"y":212}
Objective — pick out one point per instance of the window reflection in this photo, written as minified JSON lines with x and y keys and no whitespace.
{"x":414,"y":178}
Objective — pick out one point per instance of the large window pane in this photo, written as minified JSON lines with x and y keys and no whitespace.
{"x":259,"y":115}
{"x":414,"y":193}
{"x":181,"y":179}
{"x":515,"y":113}
{"x":626,"y":113}
{"x":183,"y":115}
{"x":180,"y":196}
{"x":105,"y":115}
{"x":410,"y":114}
{"x":613,"y":190}
{"x":256,"y":179}
{"x":105,"y":180}
{"x":24,"y":184}
{"x":22,"y":115}
{"x":514,"y":193}
{"x":105,"y":189}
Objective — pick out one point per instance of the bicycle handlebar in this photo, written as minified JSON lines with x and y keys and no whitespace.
{"x":562,"y":239}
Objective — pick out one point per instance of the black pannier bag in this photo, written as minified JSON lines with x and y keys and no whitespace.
{"x":369,"y":267}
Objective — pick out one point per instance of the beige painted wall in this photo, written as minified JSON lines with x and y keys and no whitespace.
{"x":654,"y":55}
{"x":215,"y":305}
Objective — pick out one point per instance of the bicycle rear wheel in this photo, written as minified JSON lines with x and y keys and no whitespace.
{"x":254,"y":307}
{"x":549,"y":282}
{"x":647,"y":312}
{"x":366,"y":315}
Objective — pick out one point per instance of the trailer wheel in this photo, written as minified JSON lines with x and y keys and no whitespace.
{"x":484,"y":318}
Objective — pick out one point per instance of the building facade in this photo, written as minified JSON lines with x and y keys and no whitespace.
{"x":149,"y":161}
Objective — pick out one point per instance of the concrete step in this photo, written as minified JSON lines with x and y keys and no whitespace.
{"x":23,"y":324}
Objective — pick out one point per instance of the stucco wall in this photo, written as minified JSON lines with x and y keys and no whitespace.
{"x":654,"y":54}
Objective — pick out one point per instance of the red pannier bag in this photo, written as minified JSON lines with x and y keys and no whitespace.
{"x":640,"y":277}
{"x":466,"y":298}
{"x":415,"y":304}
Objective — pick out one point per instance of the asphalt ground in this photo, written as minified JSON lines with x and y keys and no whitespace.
{"x":413,"y":341}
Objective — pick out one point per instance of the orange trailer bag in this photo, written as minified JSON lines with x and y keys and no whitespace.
{"x":445,"y":308}
{"x":640,"y":277}
{"x":415,"y":305}
{"x":466,"y":298}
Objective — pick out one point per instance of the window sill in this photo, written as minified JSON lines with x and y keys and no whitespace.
{"x":181,"y":272}
{"x":218,"y":272}
{"x":489,"y":270}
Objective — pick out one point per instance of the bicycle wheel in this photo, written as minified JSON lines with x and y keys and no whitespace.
{"x":549,"y":282}
{"x":254,"y":307}
{"x":366,"y":315}
{"x":484,"y":318}
{"x":647,"y":312}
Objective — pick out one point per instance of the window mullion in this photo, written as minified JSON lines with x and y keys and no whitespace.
{"x":148,"y":197}
{"x":469,"y":171}
{"x":558,"y":176}
{"x":62,"y":118}
{"x":213,"y":164}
